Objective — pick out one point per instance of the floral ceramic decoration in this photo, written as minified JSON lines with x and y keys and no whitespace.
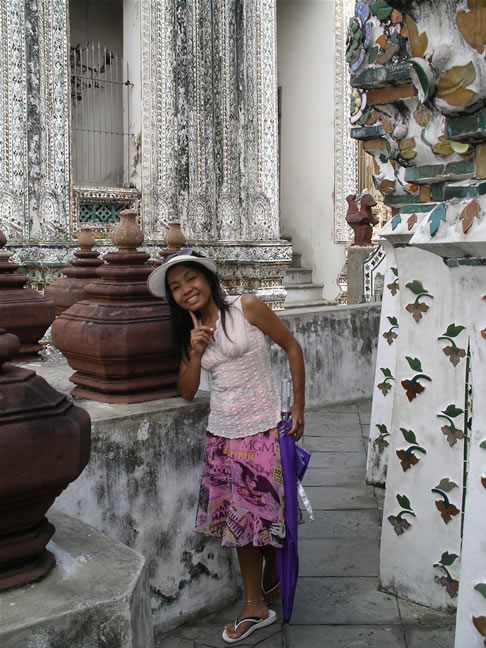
{"x":454,"y":353}
{"x":451,"y":585}
{"x":452,"y":433}
{"x":390,"y":335}
{"x":381,"y":441}
{"x":418,"y":308}
{"x":444,"y":506}
{"x":385,"y":386}
{"x":412,"y":386}
{"x":393,"y":287}
{"x":398,"y":522}
{"x":407,"y":456}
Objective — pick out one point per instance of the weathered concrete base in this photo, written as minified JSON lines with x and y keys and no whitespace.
{"x":96,"y":596}
{"x":339,"y":344}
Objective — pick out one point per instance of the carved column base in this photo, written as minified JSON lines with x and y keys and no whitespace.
{"x":357,"y":256}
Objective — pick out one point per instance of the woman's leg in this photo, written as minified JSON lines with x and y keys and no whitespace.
{"x":250,"y":559}
{"x":270,"y":574}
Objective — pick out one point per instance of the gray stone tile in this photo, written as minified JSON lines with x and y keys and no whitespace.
{"x":380,"y":497}
{"x":412,"y":613}
{"x":422,"y":637}
{"x":320,"y":459}
{"x":344,"y":600}
{"x":346,"y":557}
{"x":334,"y":443}
{"x":336,"y":408}
{"x":341,"y":524}
{"x":332,"y":424}
{"x":173,"y":641}
{"x":364,"y":407}
{"x":341,"y":497}
{"x":354,"y":636}
{"x":339,"y":474}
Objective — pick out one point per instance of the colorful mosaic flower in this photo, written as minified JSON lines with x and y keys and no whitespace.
{"x":411,"y":386}
{"x":451,"y":585}
{"x":398,"y":522}
{"x":418,"y":308}
{"x":406,"y":456}
{"x":444,"y":506}
{"x":452,"y":433}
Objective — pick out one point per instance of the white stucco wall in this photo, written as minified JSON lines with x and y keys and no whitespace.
{"x":306,"y":54}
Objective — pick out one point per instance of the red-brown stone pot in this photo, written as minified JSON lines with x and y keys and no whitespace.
{"x":44,"y":445}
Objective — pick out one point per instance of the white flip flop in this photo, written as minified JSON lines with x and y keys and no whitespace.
{"x":258,"y":623}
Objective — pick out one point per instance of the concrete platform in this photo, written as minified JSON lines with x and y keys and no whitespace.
{"x":338,"y":603}
{"x":97,"y":596}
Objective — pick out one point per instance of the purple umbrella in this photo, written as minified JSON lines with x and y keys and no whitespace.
{"x":294,"y":464}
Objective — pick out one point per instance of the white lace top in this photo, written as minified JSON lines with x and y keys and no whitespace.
{"x":244,"y":394}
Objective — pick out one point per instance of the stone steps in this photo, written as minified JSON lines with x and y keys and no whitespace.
{"x":301,"y":290}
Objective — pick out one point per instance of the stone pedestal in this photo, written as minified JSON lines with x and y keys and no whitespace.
{"x":44,"y":445}
{"x":98,"y":595}
{"x":357,"y":256}
{"x":23,"y":311}
{"x":119,"y":340}
{"x":68,"y":290}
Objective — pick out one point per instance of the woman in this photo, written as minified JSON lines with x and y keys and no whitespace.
{"x":241,"y":494}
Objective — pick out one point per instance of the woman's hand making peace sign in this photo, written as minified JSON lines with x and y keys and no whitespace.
{"x":201,"y":336}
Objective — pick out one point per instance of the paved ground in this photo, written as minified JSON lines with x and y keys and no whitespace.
{"x":337,"y":603}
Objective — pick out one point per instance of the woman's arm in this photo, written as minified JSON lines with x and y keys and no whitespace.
{"x":258,"y":314}
{"x":189,"y":375}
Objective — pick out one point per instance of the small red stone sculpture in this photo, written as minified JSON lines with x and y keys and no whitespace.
{"x":361,"y":220}
{"x":44,"y":445}
{"x":69,"y":289}
{"x":23,"y":311}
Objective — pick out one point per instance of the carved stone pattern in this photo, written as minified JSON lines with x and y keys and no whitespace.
{"x":13,"y":131}
{"x":159,"y":192}
{"x":373,"y":265}
{"x":54,"y":118}
{"x":345,"y":149}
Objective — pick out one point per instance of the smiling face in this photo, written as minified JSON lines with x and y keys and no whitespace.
{"x":189,"y":287}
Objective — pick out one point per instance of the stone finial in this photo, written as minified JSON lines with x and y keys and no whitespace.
{"x":86,"y":240}
{"x":127,"y":235}
{"x":175,"y":239}
{"x":69,"y":289}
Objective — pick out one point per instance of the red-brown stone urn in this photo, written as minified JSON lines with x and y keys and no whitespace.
{"x":69,"y":289}
{"x":44,"y":445}
{"x":23,"y":311}
{"x":119,"y":340}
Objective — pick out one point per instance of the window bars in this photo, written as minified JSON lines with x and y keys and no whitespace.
{"x":100,"y":122}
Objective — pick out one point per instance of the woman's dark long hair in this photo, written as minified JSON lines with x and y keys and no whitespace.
{"x":181,"y":320}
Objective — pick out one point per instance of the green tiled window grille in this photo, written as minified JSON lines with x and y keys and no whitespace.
{"x":101,"y":212}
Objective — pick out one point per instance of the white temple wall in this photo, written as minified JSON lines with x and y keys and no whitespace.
{"x":306,"y":55}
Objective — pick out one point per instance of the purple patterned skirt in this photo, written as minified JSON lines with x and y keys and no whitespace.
{"x":241,"y":495}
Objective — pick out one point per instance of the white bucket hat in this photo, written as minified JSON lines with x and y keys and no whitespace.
{"x":156,"y":280}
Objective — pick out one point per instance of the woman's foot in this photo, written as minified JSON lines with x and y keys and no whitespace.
{"x":253,"y":610}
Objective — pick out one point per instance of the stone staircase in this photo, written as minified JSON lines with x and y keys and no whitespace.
{"x":301,"y":291}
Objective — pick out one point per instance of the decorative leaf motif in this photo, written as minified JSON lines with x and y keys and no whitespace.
{"x":472,"y":24}
{"x":417,"y":309}
{"x":411,"y":221}
{"x":404,"y":502}
{"x":399,"y":524}
{"x":437,"y":215}
{"x":453,"y":330}
{"x":453,"y":434}
{"x":468,"y":214}
{"x":407,"y":459}
{"x":393,"y":320}
{"x":446,"y":485}
{"x":480,"y":625}
{"x":381,"y":10}
{"x":443,"y":147}
{"x":373,"y":54}
{"x":395,"y":271}
{"x":422,"y":115}
{"x":481,"y":588}
{"x":386,"y":372}
{"x":450,"y":585}
{"x":395,"y":221}
{"x":409,"y":435}
{"x":483,"y":445}
{"x":383,"y":429}
{"x":448,"y":559}
{"x":414,"y":363}
{"x":387,"y":186}
{"x":460,"y":147}
{"x":416,"y":287}
{"x":452,"y":86}
{"x":412,"y":389}
{"x":447,"y":511}
{"x":418,"y":42}
{"x":452,"y":411}
{"x":407,"y":148}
